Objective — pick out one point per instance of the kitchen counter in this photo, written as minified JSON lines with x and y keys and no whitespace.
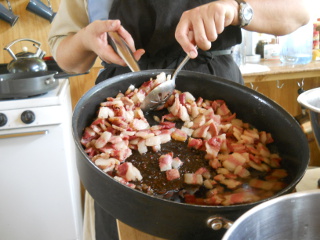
{"x":275,"y":70}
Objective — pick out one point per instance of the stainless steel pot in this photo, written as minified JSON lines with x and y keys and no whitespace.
{"x":295,"y":216}
{"x":173,"y":220}
{"x":311,"y":100}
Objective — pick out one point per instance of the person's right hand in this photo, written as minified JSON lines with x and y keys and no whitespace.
{"x":95,"y":40}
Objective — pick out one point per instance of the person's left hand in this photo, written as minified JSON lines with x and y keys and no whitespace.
{"x":201,"y":25}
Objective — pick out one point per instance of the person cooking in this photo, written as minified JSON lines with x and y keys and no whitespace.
{"x":160,"y":34}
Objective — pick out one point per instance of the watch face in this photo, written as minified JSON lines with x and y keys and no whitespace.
{"x":247,"y":13}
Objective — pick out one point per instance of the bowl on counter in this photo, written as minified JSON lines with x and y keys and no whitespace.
{"x":311,"y":100}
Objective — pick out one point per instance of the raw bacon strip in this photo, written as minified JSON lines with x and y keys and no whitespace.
{"x":153,"y":141}
{"x":103,"y":139}
{"x":142,"y":147}
{"x":107,"y":164}
{"x":179,"y":135}
{"x":127,"y":171}
{"x":213,"y":146}
{"x":241,"y":197}
{"x":195,"y":143}
{"x":176,"y":163}
{"x":165,"y":162}
{"x":192,"y":178}
{"x":172,"y":174}
{"x":241,"y":172}
{"x":139,"y":124}
{"x":199,"y":121}
{"x":260,"y":184}
{"x":201,"y":132}
{"x":233,"y":160}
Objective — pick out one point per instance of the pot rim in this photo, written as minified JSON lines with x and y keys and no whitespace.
{"x":309,"y":98}
{"x":261,"y":206}
{"x":154,"y":72}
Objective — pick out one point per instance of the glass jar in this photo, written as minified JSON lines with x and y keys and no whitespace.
{"x":296,"y":47}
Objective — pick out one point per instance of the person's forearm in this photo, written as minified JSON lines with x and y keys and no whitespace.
{"x":72,"y":56}
{"x":278,"y":17}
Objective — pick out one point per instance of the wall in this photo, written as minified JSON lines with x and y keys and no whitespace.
{"x":28,"y":25}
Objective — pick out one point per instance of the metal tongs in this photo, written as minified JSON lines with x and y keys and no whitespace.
{"x":160,"y":94}
{"x":121,"y":47}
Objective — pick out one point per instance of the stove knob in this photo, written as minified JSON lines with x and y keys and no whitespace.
{"x":3,"y":119}
{"x":28,"y":117}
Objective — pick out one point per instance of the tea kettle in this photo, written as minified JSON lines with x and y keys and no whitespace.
{"x":26,"y":61}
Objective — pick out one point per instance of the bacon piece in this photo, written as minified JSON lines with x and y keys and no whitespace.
{"x":263,"y":150}
{"x":260,"y":184}
{"x":192,"y":178}
{"x":194,"y":111}
{"x":165,"y":162}
{"x":144,"y":134}
{"x":179,"y":135}
{"x":174,"y":109}
{"x":215,"y":163}
{"x":195,"y":143}
{"x":167,"y":125}
{"x":213,"y":146}
{"x":89,"y":134}
{"x":142,"y":148}
{"x":231,"y":183}
{"x":107,"y":164}
{"x":241,"y":172}
{"x":124,"y":182}
{"x":127,"y":171}
{"x":201,"y":132}
{"x":139,"y":124}
{"x":199,"y":121}
{"x":260,"y":167}
{"x":103,"y":139}
{"x":164,"y":137}
{"x":223,"y":110}
{"x":172,"y":174}
{"x":183,"y":113}
{"x":240,"y":197}
{"x":233,"y":160}
{"x":188,"y":131}
{"x":176,"y":162}
{"x":153,"y":141}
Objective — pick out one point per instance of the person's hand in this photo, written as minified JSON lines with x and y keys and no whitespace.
{"x":201,"y":25}
{"x":95,"y":40}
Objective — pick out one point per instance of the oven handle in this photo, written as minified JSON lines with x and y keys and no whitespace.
{"x":44,"y":132}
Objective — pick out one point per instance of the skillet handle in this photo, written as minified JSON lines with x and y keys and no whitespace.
{"x":218,"y":223}
{"x":121,"y":47}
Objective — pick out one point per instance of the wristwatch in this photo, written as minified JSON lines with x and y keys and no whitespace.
{"x":245,"y":13}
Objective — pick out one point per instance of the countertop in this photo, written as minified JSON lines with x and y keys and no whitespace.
{"x":270,"y":70}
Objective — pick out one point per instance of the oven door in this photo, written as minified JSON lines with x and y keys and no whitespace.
{"x":39,"y":184}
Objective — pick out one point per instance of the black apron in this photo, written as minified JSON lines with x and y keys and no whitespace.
{"x":152,"y":25}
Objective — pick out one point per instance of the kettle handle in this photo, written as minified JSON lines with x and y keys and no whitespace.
{"x":36,"y":44}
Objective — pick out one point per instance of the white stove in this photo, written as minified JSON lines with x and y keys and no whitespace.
{"x":39,"y":182}
{"x":33,"y":111}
